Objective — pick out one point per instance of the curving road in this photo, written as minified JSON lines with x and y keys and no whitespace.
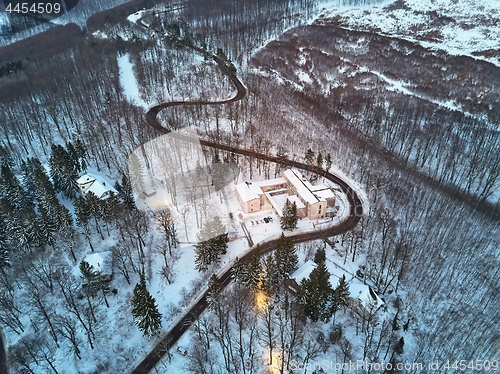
{"x":355,"y":212}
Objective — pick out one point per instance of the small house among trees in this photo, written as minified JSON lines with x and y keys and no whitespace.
{"x":95,"y":184}
{"x":102,"y":264}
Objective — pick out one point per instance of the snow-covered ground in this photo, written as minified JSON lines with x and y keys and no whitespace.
{"x":128,"y":81}
{"x":460,"y":27}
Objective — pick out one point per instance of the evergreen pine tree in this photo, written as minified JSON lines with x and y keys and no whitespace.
{"x":253,"y":270}
{"x":213,"y":292}
{"x":319,"y":160}
{"x":248,"y":272}
{"x":11,"y":189}
{"x":315,"y":294}
{"x":4,"y":245}
{"x":63,"y":171}
{"x":82,"y":154}
{"x":27,"y":178}
{"x":290,"y":216}
{"x":145,"y":310}
{"x":320,"y":255}
{"x":108,"y":209}
{"x":282,"y":157}
{"x":270,"y":277}
{"x":73,"y":156}
{"x":341,"y":293}
{"x":15,"y":231}
{"x":88,"y":273}
{"x":55,"y":165}
{"x":212,"y":243}
{"x":83,"y":215}
{"x":328,"y":162}
{"x":38,"y":233}
{"x":293,"y":216}
{"x":137,"y":301}
{"x":63,"y":218}
{"x":238,"y":270}
{"x":285,"y":256}
{"x":44,"y":190}
{"x":310,"y":157}
{"x":136,"y":173}
{"x":5,"y":157}
{"x":125,"y":193}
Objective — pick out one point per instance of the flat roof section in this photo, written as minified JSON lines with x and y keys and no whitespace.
{"x":277,"y":201}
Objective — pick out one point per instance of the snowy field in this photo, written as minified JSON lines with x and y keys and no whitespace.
{"x":460,"y":27}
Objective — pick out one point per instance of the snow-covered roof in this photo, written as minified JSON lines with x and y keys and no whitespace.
{"x":301,"y":186}
{"x":101,"y":261}
{"x":297,"y":201}
{"x":323,"y":191}
{"x":271,"y":182}
{"x":95,"y":184}
{"x":368,"y":298}
{"x":247,"y":192}
{"x":277,"y":201}
{"x":304,"y":271}
{"x":324,"y":194}
{"x":336,"y":272}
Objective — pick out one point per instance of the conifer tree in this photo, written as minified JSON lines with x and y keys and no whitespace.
{"x":285,"y":256}
{"x":11,"y":189}
{"x":88,"y":273}
{"x":73,"y":156}
{"x":320,"y":255}
{"x":270,"y":277}
{"x":248,"y":272}
{"x":253,"y":270}
{"x":90,"y":276}
{"x":4,"y":245}
{"x":15,"y":231}
{"x":290,"y":216}
{"x":238,"y":270}
{"x":56,"y":166}
{"x":212,"y":244}
{"x":82,"y":155}
{"x":213,"y":292}
{"x":63,"y":171}
{"x":83,"y":214}
{"x":145,"y":310}
{"x":341,"y":293}
{"x":282,"y":157}
{"x":27,"y":178}
{"x":315,"y":294}
{"x":125,"y":193}
{"x":310,"y":157}
{"x":328,"y":162}
{"x":319,"y":160}
{"x":108,"y":209}
{"x":40,"y":228}
{"x":136,"y":173}
{"x":5,"y":157}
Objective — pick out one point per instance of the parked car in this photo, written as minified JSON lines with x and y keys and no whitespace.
{"x":182,"y":351}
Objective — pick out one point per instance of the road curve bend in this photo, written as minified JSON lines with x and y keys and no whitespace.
{"x":355,"y":212}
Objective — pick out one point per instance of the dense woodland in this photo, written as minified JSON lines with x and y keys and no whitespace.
{"x":431,"y":176}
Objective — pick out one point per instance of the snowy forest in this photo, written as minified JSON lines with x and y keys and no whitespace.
{"x":415,"y":128}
